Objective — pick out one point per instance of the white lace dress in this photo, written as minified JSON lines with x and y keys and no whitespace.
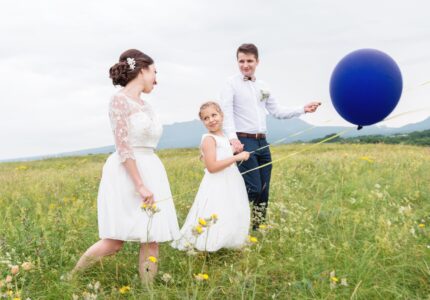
{"x":137,"y":131}
{"x":222,"y":193}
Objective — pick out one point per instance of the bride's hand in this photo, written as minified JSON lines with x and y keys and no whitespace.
{"x":146,"y":195}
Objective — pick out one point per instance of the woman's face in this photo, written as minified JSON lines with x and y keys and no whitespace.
{"x":149,"y":78}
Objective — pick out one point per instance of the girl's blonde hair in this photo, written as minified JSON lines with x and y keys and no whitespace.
{"x":208,"y":104}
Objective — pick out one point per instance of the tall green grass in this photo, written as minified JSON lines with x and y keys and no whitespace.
{"x":345,"y":221}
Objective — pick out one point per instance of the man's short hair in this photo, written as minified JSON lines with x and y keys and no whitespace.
{"x":247,"y":49}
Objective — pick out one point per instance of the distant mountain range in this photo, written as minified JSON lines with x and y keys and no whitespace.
{"x":188,"y":134}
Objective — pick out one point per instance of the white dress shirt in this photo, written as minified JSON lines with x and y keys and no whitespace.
{"x":246,"y":103}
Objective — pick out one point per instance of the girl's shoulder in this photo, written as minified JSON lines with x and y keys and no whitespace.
{"x":206,"y":135}
{"x":217,"y":138}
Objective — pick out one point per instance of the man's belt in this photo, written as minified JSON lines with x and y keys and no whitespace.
{"x":256,"y":136}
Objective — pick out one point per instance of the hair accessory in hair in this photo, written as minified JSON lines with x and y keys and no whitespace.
{"x":131,"y":63}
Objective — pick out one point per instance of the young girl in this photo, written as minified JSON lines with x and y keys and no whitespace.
{"x":133,"y":176}
{"x":220,"y":215}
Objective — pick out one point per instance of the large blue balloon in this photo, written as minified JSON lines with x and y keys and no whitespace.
{"x":366,"y":86}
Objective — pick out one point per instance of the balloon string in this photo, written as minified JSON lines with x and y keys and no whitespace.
{"x":303,"y":150}
{"x":417,"y":86}
{"x":300,"y":151}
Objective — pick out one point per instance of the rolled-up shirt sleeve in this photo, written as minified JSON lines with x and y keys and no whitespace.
{"x":227,"y":104}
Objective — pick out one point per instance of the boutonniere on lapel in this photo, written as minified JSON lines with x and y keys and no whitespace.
{"x":264,"y":95}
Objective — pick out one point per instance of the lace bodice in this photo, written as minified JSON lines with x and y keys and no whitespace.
{"x":133,"y":124}
{"x":223,"y":147}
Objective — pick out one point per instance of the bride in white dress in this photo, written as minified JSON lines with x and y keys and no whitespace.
{"x":220,"y":215}
{"x":133,"y":176}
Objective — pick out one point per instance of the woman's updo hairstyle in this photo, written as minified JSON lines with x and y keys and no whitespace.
{"x":129,"y":65}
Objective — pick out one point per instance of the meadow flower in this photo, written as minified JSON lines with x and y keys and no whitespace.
{"x":124,"y":289}
{"x":27,"y":266}
{"x":153,"y":259}
{"x":333,"y":280}
{"x":366,"y":158}
{"x":252,"y":239}
{"x":214,"y":218}
{"x":150,"y":209}
{"x":8,"y":279}
{"x":421,"y":225}
{"x":203,"y":222}
{"x":14,"y":270}
{"x":343,"y":282}
{"x":201,"y":276}
{"x":21,"y":168}
{"x":166,"y":277}
{"x":197,"y":230}
{"x":262,"y":226}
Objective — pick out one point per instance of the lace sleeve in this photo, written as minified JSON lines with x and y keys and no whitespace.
{"x":119,"y":112}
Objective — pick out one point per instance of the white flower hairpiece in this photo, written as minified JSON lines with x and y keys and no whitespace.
{"x":131,"y":63}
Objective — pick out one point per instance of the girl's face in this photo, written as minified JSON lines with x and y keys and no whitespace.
{"x":212,"y":118}
{"x":149,"y":78}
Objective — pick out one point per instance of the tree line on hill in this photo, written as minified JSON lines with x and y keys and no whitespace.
{"x":419,"y":138}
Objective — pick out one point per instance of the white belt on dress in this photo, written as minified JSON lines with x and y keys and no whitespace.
{"x":143,"y":149}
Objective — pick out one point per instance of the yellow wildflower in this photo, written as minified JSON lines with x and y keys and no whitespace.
{"x":124,"y":289}
{"x":153,"y":259}
{"x":334,"y":279}
{"x":252,"y":239}
{"x":198,"y":229}
{"x":262,"y":226}
{"x":422,"y":225}
{"x":201,"y":276}
{"x":16,"y":298}
{"x":144,"y":205}
{"x":202,"y":222}
{"x":366,"y":158}
{"x":214,"y":217}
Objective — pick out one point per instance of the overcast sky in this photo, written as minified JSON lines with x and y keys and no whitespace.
{"x":55,"y":56}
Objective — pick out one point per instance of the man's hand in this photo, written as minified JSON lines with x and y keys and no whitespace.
{"x":312,"y":107}
{"x":237,"y":145}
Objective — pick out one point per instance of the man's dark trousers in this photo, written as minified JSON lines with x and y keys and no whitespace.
{"x":257,"y":182}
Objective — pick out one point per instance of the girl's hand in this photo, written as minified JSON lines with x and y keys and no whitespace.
{"x":146,"y":195}
{"x":242,"y":156}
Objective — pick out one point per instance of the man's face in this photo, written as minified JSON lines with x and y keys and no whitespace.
{"x":247,"y":63}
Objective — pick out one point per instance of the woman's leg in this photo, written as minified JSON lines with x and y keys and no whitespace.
{"x":97,"y":251}
{"x":147,"y":268}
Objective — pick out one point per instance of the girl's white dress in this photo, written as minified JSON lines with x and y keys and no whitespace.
{"x":222,"y":193}
{"x":137,"y":131}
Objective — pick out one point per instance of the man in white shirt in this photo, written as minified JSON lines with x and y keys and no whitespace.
{"x":246,"y":102}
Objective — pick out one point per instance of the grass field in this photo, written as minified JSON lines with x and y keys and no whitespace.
{"x":345,"y":221}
